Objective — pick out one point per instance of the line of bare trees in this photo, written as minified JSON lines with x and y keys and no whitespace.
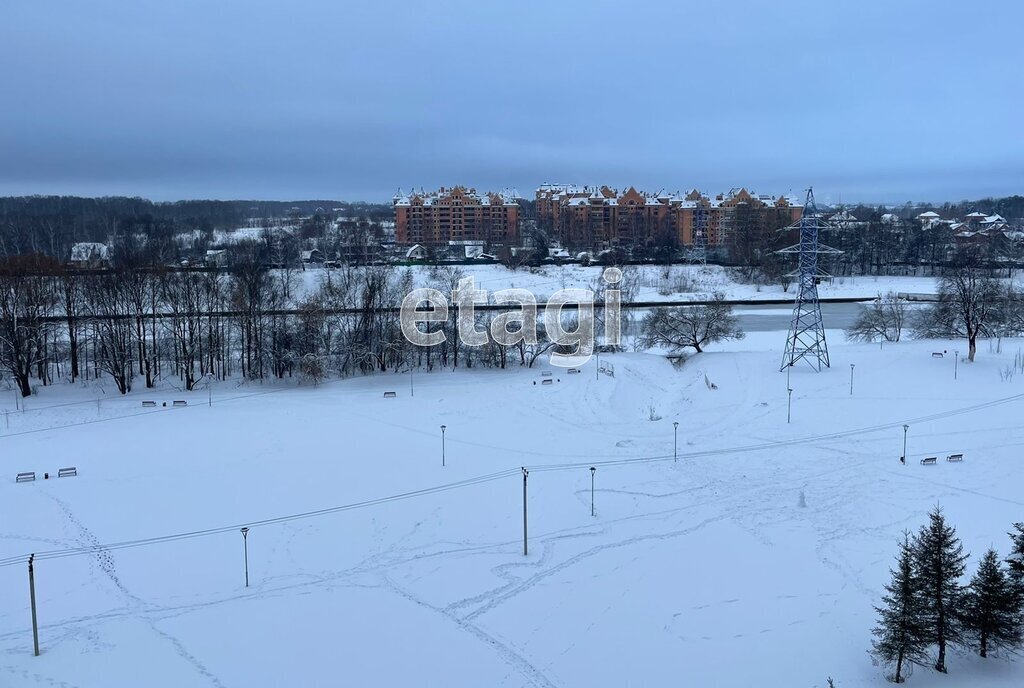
{"x":145,"y":325}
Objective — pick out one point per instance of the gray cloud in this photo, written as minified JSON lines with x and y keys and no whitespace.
{"x":876,"y":101}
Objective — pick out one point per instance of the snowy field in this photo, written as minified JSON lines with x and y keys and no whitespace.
{"x":678,"y":283}
{"x":705,"y":571}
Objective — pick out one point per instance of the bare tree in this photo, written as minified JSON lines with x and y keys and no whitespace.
{"x":69,"y":290}
{"x":108,"y":301}
{"x":183,"y":293}
{"x":26,"y":299}
{"x":884,"y":319}
{"x":969,"y":306}
{"x":690,"y":326}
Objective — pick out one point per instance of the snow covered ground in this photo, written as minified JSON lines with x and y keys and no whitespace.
{"x":704,"y":571}
{"x":655,"y":283}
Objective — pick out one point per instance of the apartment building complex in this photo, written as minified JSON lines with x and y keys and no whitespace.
{"x":602,"y":217}
{"x":454,"y":216}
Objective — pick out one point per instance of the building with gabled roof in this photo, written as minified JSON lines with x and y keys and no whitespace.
{"x":602,"y":217}
{"x":455,"y":215}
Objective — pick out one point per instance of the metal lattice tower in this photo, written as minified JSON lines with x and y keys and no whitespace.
{"x":807,"y":333}
{"x":700,"y":236}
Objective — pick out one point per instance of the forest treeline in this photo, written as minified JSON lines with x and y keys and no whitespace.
{"x":51,"y":225}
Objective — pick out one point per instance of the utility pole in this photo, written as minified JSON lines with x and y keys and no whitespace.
{"x":32,"y":598}
{"x":525,"y":549}
{"x":593,"y":470}
{"x":442,"y":444}
{"x":245,"y":550}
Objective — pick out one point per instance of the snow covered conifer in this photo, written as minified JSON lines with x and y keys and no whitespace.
{"x":991,"y":609}
{"x":901,"y":636}
{"x":939,"y":564}
{"x":1015,"y":562}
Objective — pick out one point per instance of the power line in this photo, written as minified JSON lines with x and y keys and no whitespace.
{"x":468,"y":482}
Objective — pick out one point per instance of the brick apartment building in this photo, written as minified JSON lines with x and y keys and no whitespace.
{"x":454,"y":216}
{"x":601,"y":217}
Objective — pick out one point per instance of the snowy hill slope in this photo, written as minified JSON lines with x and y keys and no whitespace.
{"x":702,"y":571}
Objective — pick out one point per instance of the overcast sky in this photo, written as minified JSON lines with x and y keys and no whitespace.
{"x":876,"y":101}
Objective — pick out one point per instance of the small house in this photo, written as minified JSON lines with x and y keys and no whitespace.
{"x":313,"y":256}
{"x":90,"y":255}
{"x":217,"y":258}
{"x":416,"y":252}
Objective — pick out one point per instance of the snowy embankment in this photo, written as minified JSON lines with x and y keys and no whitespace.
{"x":653,"y":283}
{"x":699,"y":572}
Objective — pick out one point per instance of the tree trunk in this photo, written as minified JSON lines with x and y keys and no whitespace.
{"x":972,"y":346}
{"x":899,"y":667}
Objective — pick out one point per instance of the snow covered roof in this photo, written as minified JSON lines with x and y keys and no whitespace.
{"x":843,"y":216}
{"x":505,"y":197}
{"x":931,"y":214}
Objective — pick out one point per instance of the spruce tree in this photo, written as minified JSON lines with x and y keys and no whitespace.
{"x":901,"y":636}
{"x":991,"y":611}
{"x":1015,"y":561}
{"x":939,"y":564}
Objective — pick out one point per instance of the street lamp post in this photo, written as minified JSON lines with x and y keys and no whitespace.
{"x":245,"y":553}
{"x":956,"y":361}
{"x":597,"y":368}
{"x":412,"y":388}
{"x":442,"y":444}
{"x":32,"y":600}
{"x":209,"y":388}
{"x":789,"y":405}
{"x":851,"y":378}
{"x":526,"y":550}
{"x":675,"y":440}
{"x":593,"y":470}
{"x":903,"y":459}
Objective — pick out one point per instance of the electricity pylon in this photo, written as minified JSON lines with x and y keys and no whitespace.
{"x":807,"y":332}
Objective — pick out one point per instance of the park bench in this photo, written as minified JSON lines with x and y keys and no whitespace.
{"x":181,"y":403}
{"x":67,"y":472}
{"x":546,"y":373}
{"x":955,"y":457}
{"x":937,"y":354}
{"x":930,"y":461}
{"x":390,"y":395}
{"x":573,"y":370}
{"x":148,"y":404}
{"x":549,"y":381}
{"x":25,"y":477}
